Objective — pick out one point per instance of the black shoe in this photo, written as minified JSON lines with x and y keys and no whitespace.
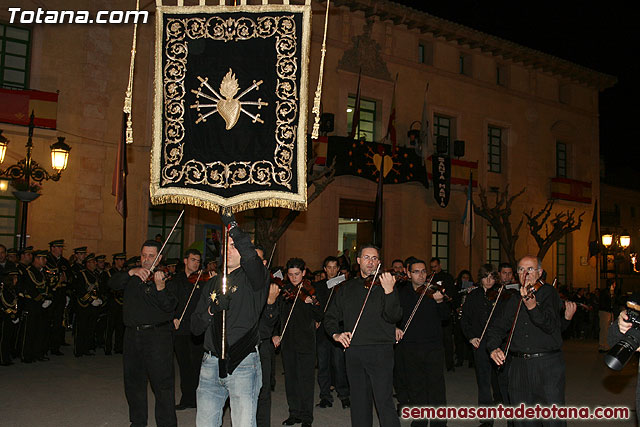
{"x":346,"y":403}
{"x":89,"y":353}
{"x":602,"y":351}
{"x":64,"y":344}
{"x":6,"y":364}
{"x":325,"y":403}
{"x":107,"y":353}
{"x":306,"y":424}
{"x":451,"y":369}
{"x":458,"y":365}
{"x":183,"y":406}
{"x":28,"y":360}
{"x":291,"y":421}
{"x":118,"y":351}
{"x":43,"y":358}
{"x":57,"y":353}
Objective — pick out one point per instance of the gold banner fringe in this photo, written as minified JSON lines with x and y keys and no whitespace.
{"x":253,"y":204}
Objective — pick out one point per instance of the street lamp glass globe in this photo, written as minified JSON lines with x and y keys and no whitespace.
{"x":607,"y":239}
{"x":3,"y":146}
{"x":59,"y":155}
{"x":625,"y":241}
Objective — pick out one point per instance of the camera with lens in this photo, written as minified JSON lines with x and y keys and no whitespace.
{"x":621,"y":352}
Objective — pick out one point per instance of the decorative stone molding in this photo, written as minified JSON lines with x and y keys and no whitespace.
{"x":365,"y":54}
{"x":464,"y":36}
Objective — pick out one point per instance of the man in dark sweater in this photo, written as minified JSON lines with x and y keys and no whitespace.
{"x":420,"y":351}
{"x":148,"y":342}
{"x":188,"y":347}
{"x":537,"y":371}
{"x":369,"y":347}
{"x":238,"y":375}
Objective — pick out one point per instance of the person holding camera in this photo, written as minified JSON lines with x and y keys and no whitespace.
{"x":624,"y":338}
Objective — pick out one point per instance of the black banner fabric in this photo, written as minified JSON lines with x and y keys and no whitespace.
{"x":441,"y":179}
{"x":363,"y":159}
{"x":231,"y":106}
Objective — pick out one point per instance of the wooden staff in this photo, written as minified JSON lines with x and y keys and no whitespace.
{"x":223,"y":353}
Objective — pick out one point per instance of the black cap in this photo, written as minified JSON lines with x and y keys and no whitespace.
{"x":40,"y":253}
{"x":11,"y":271}
{"x":89,"y":257}
{"x":59,"y":242}
{"x":80,"y":250}
{"x":172,"y":262}
{"x":13,"y":251}
{"x":101,"y":257}
{"x":120,"y":255}
{"x":27,"y":250}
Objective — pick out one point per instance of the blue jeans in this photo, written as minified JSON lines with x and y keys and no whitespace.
{"x":242,"y":387}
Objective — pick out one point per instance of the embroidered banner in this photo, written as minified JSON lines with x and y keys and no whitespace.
{"x":441,"y":179}
{"x":364,"y":159}
{"x":231,"y":102}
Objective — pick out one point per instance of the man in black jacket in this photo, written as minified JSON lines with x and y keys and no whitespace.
{"x":298,"y":313}
{"x":444,"y":279}
{"x":238,"y":375}
{"x":369,"y":348}
{"x":187,"y":347}
{"x":537,"y":371}
{"x":475,"y":314}
{"x":148,"y":342}
{"x":420,"y":351}
{"x":330,"y":354}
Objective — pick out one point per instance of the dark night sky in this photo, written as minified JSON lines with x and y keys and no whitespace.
{"x":603,"y":38}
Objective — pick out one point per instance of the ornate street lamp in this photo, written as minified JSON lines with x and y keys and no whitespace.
{"x":607,"y":240}
{"x":29,"y":170}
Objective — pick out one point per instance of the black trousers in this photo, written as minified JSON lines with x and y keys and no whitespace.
{"x":299,"y":384}
{"x":100,"y":334}
{"x":464,"y":350}
{"x":267,"y":354}
{"x":492,"y":386}
{"x":370,"y":372}
{"x":422,"y":370}
{"x":189,"y":351}
{"x":447,"y":341}
{"x":85,"y":327}
{"x":331,"y":368}
{"x":148,"y":357}
{"x":114,"y":325}
{"x":57,"y":321}
{"x":30,"y":333}
{"x":539,"y":380}
{"x":8,"y":332}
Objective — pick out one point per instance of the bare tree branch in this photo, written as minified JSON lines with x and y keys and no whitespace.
{"x":499,"y":218}
{"x":562,"y":223}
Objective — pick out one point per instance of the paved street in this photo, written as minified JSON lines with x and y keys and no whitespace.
{"x":88,"y":392}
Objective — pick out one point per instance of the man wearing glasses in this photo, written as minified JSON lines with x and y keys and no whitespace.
{"x":537,"y":371}
{"x":369,"y":346}
{"x":420,"y":351}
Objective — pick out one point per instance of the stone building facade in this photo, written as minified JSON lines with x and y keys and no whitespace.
{"x":527,"y":115}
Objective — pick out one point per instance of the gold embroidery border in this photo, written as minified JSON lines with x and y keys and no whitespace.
{"x":249,"y":200}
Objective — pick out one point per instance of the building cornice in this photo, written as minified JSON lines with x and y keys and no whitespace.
{"x":465,"y":36}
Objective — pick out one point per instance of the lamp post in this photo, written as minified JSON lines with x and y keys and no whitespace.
{"x":29,"y":170}
{"x":615,"y":241}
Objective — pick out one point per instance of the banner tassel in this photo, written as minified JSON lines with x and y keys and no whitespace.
{"x":128,"y":98}
{"x":318,"y":95}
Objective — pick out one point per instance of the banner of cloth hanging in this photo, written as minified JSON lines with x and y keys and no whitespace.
{"x":231,"y":87}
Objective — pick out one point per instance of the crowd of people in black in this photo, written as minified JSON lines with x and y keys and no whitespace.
{"x":369,"y":331}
